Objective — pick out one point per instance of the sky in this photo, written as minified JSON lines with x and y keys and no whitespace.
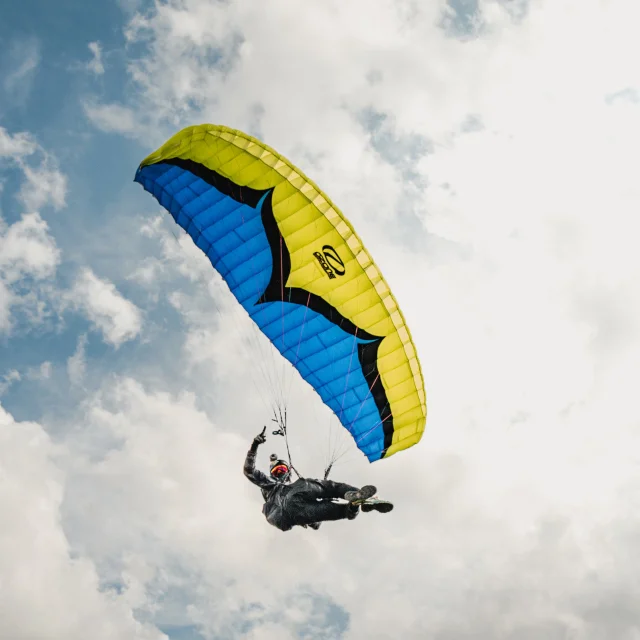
{"x":486,"y":152}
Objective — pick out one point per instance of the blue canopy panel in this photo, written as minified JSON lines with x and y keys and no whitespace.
{"x":232,"y":235}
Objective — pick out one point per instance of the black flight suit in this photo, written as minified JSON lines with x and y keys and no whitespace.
{"x":303,"y":502}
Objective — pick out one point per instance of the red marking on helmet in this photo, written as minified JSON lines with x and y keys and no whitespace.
{"x":279,"y":469}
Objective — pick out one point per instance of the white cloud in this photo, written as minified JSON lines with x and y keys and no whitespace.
{"x":118,"y":319}
{"x":17,"y":145}
{"x":77,"y":364}
{"x":43,"y":183}
{"x":8,"y":379}
{"x":112,"y":118}
{"x":6,"y":301}
{"x":96,"y":65}
{"x":27,"y":248}
{"x":41,"y":372}
{"x":23,"y":56}
{"x":47,"y":591}
{"x":27,"y":253}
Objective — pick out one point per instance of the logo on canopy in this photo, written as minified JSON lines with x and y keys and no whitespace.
{"x":330,"y":261}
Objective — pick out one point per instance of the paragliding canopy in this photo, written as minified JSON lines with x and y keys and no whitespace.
{"x":295,"y":264}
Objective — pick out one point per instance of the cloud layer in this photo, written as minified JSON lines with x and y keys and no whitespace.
{"x":487,"y":159}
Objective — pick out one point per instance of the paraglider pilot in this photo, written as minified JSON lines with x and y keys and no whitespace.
{"x":305,"y":502}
